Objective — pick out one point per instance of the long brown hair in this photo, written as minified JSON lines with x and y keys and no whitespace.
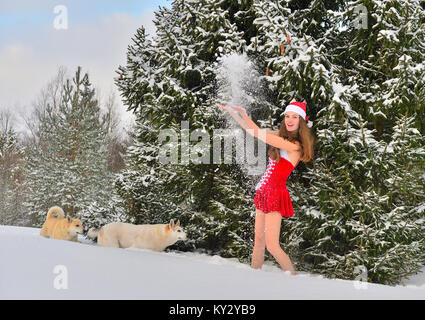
{"x":303,"y":135}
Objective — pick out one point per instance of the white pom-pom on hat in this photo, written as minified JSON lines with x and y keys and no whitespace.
{"x":310,"y":124}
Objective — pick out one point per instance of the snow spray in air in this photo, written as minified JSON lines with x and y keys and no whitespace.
{"x":239,"y":84}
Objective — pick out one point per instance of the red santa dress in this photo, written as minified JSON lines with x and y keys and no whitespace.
{"x":271,"y":193}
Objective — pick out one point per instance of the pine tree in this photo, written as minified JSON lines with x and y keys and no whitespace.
{"x":67,"y":167}
{"x":384,"y":54}
{"x":138,"y":184}
{"x":169,"y":83}
{"x":356,"y":82}
{"x":351,"y":219}
{"x":12,"y":184}
{"x":342,"y":201}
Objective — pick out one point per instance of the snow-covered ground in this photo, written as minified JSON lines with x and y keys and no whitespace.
{"x":32,"y":267}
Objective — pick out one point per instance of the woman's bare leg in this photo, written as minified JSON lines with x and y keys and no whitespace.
{"x":257,"y":259}
{"x":272,"y":227}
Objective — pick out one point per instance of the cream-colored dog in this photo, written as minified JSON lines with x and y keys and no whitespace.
{"x":57,"y":226}
{"x":145,"y":236}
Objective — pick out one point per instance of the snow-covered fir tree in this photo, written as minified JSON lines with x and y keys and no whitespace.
{"x":350,"y":218}
{"x":68,"y":164}
{"x":12,"y":182}
{"x":352,"y":203}
{"x":384,"y":51}
{"x":347,"y":217}
{"x":169,"y":84}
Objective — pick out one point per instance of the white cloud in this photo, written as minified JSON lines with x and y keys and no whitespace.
{"x":17,"y":67}
{"x":98,"y":46}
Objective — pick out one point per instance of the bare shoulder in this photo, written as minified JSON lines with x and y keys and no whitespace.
{"x":298,"y":147}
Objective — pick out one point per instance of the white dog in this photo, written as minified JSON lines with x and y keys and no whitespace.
{"x":145,"y":236}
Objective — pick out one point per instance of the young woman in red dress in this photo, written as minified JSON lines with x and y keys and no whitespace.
{"x":292,"y":143}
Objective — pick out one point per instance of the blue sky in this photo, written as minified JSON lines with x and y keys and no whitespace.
{"x":32,"y":50}
{"x":18,"y":12}
{"x":18,"y":16}
{"x":39,"y":11}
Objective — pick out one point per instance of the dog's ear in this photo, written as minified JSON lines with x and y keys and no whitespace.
{"x":79,"y":217}
{"x":68,"y":218}
{"x":177,"y":223}
{"x":172,"y":223}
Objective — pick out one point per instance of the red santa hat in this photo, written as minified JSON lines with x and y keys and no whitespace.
{"x":300,"y":108}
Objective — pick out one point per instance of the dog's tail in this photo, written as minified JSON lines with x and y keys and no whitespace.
{"x":92,"y":233}
{"x":55,"y":212}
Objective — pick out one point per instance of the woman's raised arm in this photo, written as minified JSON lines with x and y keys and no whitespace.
{"x":266,"y":135}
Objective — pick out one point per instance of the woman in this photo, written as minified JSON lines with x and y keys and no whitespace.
{"x":292,"y":143}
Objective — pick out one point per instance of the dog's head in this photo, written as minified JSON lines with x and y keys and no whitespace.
{"x":176,"y":230}
{"x":75,"y":225}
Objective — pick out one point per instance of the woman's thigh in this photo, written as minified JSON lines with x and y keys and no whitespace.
{"x":272,"y":225}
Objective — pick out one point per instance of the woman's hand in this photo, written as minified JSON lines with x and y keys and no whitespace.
{"x":237,"y":108}
{"x":240,"y":116}
{"x":222,"y":107}
{"x":231,"y":108}
{"x":234,"y":114}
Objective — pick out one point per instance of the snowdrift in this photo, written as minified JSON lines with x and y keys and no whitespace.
{"x":32,"y":267}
